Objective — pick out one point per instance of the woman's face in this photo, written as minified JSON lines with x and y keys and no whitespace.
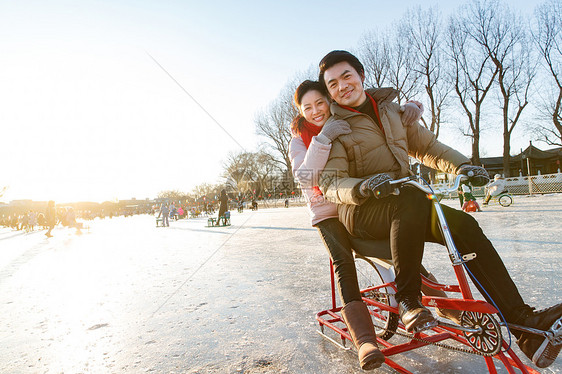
{"x":315,"y":108}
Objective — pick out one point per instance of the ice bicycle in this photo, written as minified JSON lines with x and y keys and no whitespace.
{"x":504,"y":199}
{"x":479,"y":331}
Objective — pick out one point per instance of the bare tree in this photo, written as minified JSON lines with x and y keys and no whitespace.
{"x":373,"y":51}
{"x":388,"y":58}
{"x":274,"y":124}
{"x":239,"y":171}
{"x":502,"y":36}
{"x":173,"y":195}
{"x":424,"y":30}
{"x":205,"y":189}
{"x":473,"y":71}
{"x":248,"y":171}
{"x":401,"y":75}
{"x":548,"y":38}
{"x":266,"y":169}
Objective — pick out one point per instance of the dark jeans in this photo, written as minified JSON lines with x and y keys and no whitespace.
{"x":409,"y":221}
{"x":336,"y":240}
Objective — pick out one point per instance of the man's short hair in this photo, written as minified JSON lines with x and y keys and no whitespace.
{"x":335,"y":57}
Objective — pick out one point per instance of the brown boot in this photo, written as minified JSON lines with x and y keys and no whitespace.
{"x":452,"y":314}
{"x":360,"y":327}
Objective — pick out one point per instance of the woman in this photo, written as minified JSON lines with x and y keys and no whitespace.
{"x":313,"y":132}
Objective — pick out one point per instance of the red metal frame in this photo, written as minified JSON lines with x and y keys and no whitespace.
{"x":332,"y":319}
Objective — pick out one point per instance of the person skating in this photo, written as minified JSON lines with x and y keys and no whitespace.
{"x":223,"y":207}
{"x":50,"y":217}
{"x":165,"y":214}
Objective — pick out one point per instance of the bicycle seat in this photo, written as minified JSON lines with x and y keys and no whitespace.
{"x":377,"y":249}
{"x":372,"y":248}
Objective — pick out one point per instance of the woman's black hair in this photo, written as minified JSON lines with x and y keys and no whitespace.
{"x":302,"y":89}
{"x":335,"y":57}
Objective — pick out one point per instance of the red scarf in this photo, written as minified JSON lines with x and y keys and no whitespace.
{"x":375,"y":107}
{"x":307,"y":131}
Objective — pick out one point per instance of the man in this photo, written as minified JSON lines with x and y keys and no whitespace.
{"x":357,"y":177}
{"x":495,"y":188}
{"x":165,"y":214}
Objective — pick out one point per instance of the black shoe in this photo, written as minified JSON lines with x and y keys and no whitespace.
{"x":537,"y":348}
{"x":414,"y":315}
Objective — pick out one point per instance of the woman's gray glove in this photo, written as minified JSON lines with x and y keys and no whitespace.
{"x":334,"y":128}
{"x":378,"y":186}
{"x":411,"y":112}
{"x":477,"y":175}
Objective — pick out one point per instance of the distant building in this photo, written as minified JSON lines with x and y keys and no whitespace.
{"x":531,"y":161}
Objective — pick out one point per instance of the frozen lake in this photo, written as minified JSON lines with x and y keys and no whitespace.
{"x":127,"y":297}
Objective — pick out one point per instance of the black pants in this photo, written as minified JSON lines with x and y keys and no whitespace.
{"x":222,"y":211}
{"x":336,"y":240}
{"x":409,"y":221}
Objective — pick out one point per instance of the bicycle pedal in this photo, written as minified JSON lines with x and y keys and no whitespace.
{"x":426,"y":326}
{"x":554,"y":334}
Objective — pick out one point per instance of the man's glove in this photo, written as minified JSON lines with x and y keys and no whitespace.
{"x":378,"y":186}
{"x":477,"y":175}
{"x":334,"y":128}
{"x":411,"y":112}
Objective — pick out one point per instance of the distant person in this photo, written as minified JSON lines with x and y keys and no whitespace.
{"x":50,"y":217}
{"x":165,"y":214}
{"x":14,"y":222}
{"x":24,"y":222}
{"x":286,"y":203}
{"x":41,"y":221}
{"x":174,"y":212}
{"x":468,"y":201}
{"x":32,"y":220}
{"x":71,"y":220}
{"x":223,"y":207}
{"x":495,"y":188}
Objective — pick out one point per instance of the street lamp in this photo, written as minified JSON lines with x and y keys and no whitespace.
{"x":529,"y":174}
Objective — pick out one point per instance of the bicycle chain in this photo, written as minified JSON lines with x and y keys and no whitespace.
{"x":441,"y":345}
{"x":429,"y":342}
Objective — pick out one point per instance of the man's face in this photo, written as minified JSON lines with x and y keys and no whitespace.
{"x":345,"y":85}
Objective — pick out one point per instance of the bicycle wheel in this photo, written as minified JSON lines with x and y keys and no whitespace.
{"x":369,"y":276}
{"x":505,"y":200}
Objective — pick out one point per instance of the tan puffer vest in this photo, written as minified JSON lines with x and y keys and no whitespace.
{"x":368,"y":151}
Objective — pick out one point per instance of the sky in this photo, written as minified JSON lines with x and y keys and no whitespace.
{"x":106,"y":100}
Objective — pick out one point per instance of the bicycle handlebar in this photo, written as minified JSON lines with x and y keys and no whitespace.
{"x":411,"y":181}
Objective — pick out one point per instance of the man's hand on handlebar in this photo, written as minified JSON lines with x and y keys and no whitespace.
{"x":378,"y":185}
{"x":477,"y":175}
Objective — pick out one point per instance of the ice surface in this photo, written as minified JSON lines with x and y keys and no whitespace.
{"x":127,"y":297}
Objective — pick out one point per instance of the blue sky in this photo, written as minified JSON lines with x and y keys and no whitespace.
{"x":86,"y":114}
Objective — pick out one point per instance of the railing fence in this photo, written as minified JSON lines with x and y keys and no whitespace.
{"x":535,"y":184}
